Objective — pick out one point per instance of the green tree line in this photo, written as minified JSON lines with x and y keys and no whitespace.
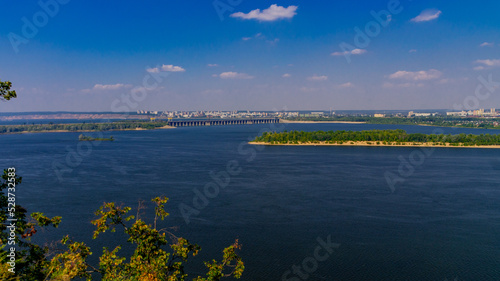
{"x":110,"y":126}
{"x":381,"y":136}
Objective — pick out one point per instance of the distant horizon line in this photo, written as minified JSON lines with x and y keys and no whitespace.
{"x":239,"y":110}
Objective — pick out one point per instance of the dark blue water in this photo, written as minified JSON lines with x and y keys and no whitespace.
{"x":441,"y":222}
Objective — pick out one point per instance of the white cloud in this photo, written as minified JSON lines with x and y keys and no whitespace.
{"x":353,"y":52}
{"x":286,"y":75}
{"x":490,"y":63}
{"x":212,"y":65}
{"x":487,"y":44}
{"x":417,"y":75}
{"x":412,"y":51}
{"x":108,"y":87}
{"x":402,"y":85}
{"x":346,"y":85}
{"x":479,"y":68}
{"x":111,"y":87}
{"x":427,"y":15}
{"x":166,"y":67}
{"x":317,"y":78}
{"x":234,"y":75}
{"x":272,"y":13}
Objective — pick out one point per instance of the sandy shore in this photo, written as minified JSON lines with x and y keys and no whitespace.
{"x":364,"y":143}
{"x":320,"y":122}
{"x":167,"y":127}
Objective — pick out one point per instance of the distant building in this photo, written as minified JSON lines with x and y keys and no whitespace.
{"x":318,"y":113}
{"x":457,"y":113}
{"x":414,"y":114}
{"x":378,"y":115}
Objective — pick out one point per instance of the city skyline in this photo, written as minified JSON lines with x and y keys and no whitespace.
{"x":259,"y":55}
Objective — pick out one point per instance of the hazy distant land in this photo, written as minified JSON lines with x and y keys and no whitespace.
{"x":83,"y":127}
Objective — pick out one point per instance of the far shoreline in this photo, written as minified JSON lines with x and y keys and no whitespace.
{"x":87,"y":131}
{"x":321,"y":122}
{"x":373,"y":144}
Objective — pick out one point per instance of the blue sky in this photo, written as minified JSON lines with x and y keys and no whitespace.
{"x":256,"y":55}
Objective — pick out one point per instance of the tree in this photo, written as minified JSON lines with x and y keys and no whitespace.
{"x":30,"y":259}
{"x":151,"y":260}
{"x":159,"y":254}
{"x":16,"y":229}
{"x":5,"y":92}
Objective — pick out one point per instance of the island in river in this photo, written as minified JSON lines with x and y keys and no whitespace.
{"x":377,"y":138}
{"x":84,"y":127}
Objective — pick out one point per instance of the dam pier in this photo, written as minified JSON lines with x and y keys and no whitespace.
{"x":221,"y":122}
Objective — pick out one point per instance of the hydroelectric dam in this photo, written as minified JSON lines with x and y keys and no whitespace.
{"x":221,"y":122}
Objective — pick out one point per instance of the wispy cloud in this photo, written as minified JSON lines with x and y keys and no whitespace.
{"x":495,"y":62}
{"x":346,"y":85}
{"x":286,"y":75}
{"x":412,"y":51}
{"x":317,"y":78}
{"x":353,"y":52}
{"x":234,"y":75}
{"x":273,"y":42}
{"x":111,"y":87}
{"x":487,"y":64}
{"x":273,"y":13}
{"x":487,"y":44}
{"x":388,"y":85}
{"x":417,"y":75}
{"x":166,"y":67}
{"x":212,"y":65}
{"x":427,"y":15}
{"x":107,"y":87}
{"x":259,"y":36}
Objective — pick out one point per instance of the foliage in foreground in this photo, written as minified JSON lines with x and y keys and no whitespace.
{"x":387,"y":136}
{"x":159,"y":255}
{"x":5,"y":91}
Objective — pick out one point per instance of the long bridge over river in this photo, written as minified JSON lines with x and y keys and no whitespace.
{"x":221,"y":122}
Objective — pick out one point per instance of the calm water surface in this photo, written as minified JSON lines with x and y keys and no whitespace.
{"x":441,"y":222}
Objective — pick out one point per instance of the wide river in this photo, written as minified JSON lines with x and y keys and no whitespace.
{"x":388,"y":213}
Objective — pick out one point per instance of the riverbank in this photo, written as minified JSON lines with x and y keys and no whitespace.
{"x":85,"y":131}
{"x":375,"y":144}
